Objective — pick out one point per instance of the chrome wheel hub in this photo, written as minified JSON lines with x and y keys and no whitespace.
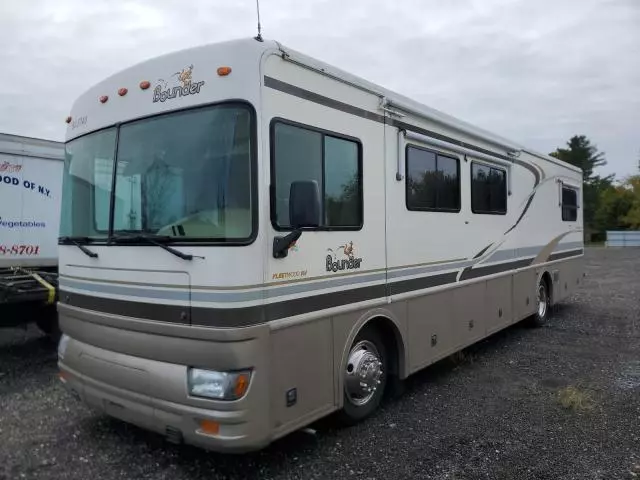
{"x":363,"y":372}
{"x":542,"y":301}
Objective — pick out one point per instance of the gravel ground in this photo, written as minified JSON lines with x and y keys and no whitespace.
{"x":561,"y":402}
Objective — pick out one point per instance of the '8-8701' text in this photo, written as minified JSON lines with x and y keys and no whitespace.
{"x":17,"y":250}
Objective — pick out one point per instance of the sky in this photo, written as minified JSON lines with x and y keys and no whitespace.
{"x":533,"y":71}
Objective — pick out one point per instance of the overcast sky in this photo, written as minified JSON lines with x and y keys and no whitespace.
{"x":534,"y":71}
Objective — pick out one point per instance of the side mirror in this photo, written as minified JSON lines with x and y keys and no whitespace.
{"x":304,"y":204}
{"x":304,"y":212}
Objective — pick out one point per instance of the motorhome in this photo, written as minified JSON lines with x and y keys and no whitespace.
{"x":252,"y":239}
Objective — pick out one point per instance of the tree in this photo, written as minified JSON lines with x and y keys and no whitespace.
{"x":632,"y":218}
{"x":583,"y":154}
{"x":614,"y":205}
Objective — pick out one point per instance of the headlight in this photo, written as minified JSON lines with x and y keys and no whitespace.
{"x":62,"y":345}
{"x":218,"y":385}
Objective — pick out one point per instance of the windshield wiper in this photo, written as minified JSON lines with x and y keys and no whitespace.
{"x":157,"y":240}
{"x":76,"y":241}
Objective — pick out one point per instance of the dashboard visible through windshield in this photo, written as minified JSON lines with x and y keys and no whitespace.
{"x":188,"y":175}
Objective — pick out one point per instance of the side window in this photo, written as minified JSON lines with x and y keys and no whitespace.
{"x":569,"y":204}
{"x":333,"y":162}
{"x":488,"y":189}
{"x":433,"y":181}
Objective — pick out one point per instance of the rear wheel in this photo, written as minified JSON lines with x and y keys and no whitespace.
{"x":364,"y":377}
{"x":543,"y":304}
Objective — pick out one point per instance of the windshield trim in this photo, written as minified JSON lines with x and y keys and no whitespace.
{"x":188,"y":241}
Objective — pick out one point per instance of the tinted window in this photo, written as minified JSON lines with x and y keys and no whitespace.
{"x":298,"y":156}
{"x":421,"y":179}
{"x":569,"y":204}
{"x":433,"y":181}
{"x":342,"y":186}
{"x":334,"y":163}
{"x":448,"y":184}
{"x":488,"y":189}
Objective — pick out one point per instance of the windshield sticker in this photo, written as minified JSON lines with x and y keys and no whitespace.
{"x":179,"y":84}
{"x":351,"y":262}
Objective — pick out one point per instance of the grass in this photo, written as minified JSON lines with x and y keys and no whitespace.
{"x":576,"y":399}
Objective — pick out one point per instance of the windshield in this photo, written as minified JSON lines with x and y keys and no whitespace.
{"x":187,"y":175}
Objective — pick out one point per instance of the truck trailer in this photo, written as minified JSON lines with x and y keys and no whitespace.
{"x":30,"y":188}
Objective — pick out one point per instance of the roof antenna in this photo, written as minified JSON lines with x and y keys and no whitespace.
{"x":259,"y":36}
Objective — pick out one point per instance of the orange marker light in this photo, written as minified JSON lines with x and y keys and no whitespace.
{"x":103,"y":99}
{"x":145,"y":84}
{"x":242,"y":383}
{"x":210,"y":427}
{"x":68,"y":120}
{"x":122,"y":92}
{"x":224,"y":71}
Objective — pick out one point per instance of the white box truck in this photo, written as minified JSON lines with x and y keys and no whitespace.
{"x":30,"y":187}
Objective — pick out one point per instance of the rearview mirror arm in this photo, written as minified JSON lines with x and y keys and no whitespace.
{"x":281,"y":245}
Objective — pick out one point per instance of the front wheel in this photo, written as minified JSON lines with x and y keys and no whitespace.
{"x":364,"y":377}
{"x":543,"y":304}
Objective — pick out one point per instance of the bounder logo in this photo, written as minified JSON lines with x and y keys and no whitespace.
{"x":349,"y":263}
{"x":180,"y":84}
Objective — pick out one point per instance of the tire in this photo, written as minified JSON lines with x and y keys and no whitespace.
{"x":367,"y":355}
{"x":543,"y":305}
{"x":47,"y":322}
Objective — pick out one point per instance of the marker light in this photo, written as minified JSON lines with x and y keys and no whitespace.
{"x":209,"y":427}
{"x":68,"y":120}
{"x":224,"y":71}
{"x":218,"y":385}
{"x":122,"y":92}
{"x":145,"y":84}
{"x":103,"y":99}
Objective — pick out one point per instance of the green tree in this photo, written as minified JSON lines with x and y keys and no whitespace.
{"x":632,"y":218}
{"x":614,"y":205}
{"x":583,"y":154}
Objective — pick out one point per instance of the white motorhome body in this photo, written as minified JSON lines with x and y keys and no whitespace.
{"x":418,"y":235}
{"x":30,"y":187}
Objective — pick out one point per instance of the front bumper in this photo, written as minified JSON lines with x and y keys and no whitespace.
{"x":91,"y":374}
